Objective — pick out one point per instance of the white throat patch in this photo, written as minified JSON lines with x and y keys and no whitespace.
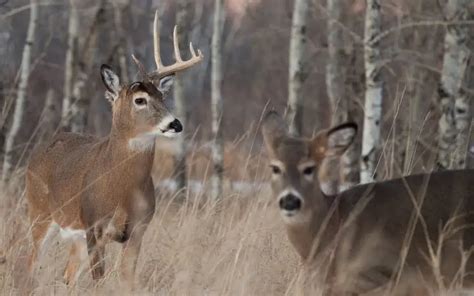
{"x":142,"y":143}
{"x":145,"y":141}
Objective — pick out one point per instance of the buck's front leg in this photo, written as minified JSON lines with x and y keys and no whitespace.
{"x":116,"y":228}
{"x":131,"y":250}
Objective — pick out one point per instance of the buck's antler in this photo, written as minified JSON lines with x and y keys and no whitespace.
{"x":180,"y":65}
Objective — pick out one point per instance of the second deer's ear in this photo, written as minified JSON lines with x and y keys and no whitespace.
{"x":111,"y":82}
{"x":274,"y":129}
{"x":333,"y":142}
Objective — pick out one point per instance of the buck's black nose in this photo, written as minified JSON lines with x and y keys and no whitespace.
{"x":176,"y":126}
{"x":290,"y":202}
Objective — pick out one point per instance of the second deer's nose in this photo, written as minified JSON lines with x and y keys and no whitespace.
{"x":176,"y":126}
{"x":290,"y":202}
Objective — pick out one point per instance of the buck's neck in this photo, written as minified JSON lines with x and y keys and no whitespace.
{"x":304,"y":235}
{"x":136,"y":159}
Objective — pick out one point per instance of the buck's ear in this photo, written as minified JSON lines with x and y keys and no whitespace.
{"x":111,"y":82}
{"x":165,"y":85}
{"x":333,"y":142}
{"x":274,"y":129}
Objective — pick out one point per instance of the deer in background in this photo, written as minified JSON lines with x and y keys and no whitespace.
{"x":401,"y":236}
{"x":100,"y":189}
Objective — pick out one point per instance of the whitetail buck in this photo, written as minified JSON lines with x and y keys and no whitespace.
{"x":396,"y":236}
{"x":97,"y":188}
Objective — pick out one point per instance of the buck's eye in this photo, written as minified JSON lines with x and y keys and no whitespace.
{"x":275,"y":170}
{"x":308,"y":170}
{"x":140,"y":101}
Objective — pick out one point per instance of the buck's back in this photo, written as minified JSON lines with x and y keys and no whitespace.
{"x":65,"y":156}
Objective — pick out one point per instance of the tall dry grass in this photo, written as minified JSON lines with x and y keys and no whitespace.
{"x":236,"y":246}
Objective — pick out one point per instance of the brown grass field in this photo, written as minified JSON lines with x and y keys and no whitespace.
{"x":193,"y":246}
{"x":236,"y":246}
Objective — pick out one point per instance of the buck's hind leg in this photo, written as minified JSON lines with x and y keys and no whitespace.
{"x":42,"y":230}
{"x":96,"y":250}
{"x":42,"y":224}
{"x":77,"y":257}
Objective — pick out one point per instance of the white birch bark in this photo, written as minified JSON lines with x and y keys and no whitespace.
{"x":413,"y":119}
{"x":297,"y":73}
{"x":80,"y":101}
{"x":468,"y":131}
{"x":373,"y":92}
{"x":122,"y":38}
{"x":48,"y":117}
{"x":334,"y":67}
{"x":202,"y":33}
{"x":70,"y":63}
{"x":80,"y":104}
{"x":217,"y":102}
{"x":454,"y":103}
{"x":179,"y":91}
{"x":22,"y":89}
{"x":347,"y":165}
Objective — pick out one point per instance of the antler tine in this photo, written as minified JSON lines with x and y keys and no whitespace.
{"x":180,"y":65}
{"x":141,"y":67}
{"x":191,"y":49}
{"x":156,"y":40}
{"x":177,"y":54}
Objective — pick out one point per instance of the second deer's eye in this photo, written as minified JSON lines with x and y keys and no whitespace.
{"x":140,"y":101}
{"x":275,"y":169}
{"x":308,"y":170}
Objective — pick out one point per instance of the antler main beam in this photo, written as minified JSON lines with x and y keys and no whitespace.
{"x":180,"y":65}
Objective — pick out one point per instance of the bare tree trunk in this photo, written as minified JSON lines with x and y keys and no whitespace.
{"x":297,"y":73}
{"x":334,"y":67}
{"x":48,"y":117}
{"x":463,"y":117}
{"x":338,"y":97}
{"x":217,"y":102}
{"x":123,"y":47}
{"x":202,"y":33}
{"x":469,"y":131}
{"x":22,"y":89}
{"x":80,"y":102}
{"x":415,"y":117}
{"x":70,"y":63}
{"x":6,"y":34}
{"x":181,"y":110}
{"x":373,"y":92}
{"x":454,"y":121}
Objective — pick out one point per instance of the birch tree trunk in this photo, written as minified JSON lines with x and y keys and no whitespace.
{"x":182,"y":22}
{"x":70,"y":63}
{"x":202,"y":33}
{"x":469,"y":132}
{"x":216,"y":102}
{"x":80,"y":101}
{"x":334,"y":67}
{"x":414,"y":119}
{"x":297,"y":73}
{"x":454,"y":122}
{"x":48,"y":117}
{"x":339,"y":100}
{"x":373,"y":92}
{"x":123,"y":46}
{"x":22,"y":89}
